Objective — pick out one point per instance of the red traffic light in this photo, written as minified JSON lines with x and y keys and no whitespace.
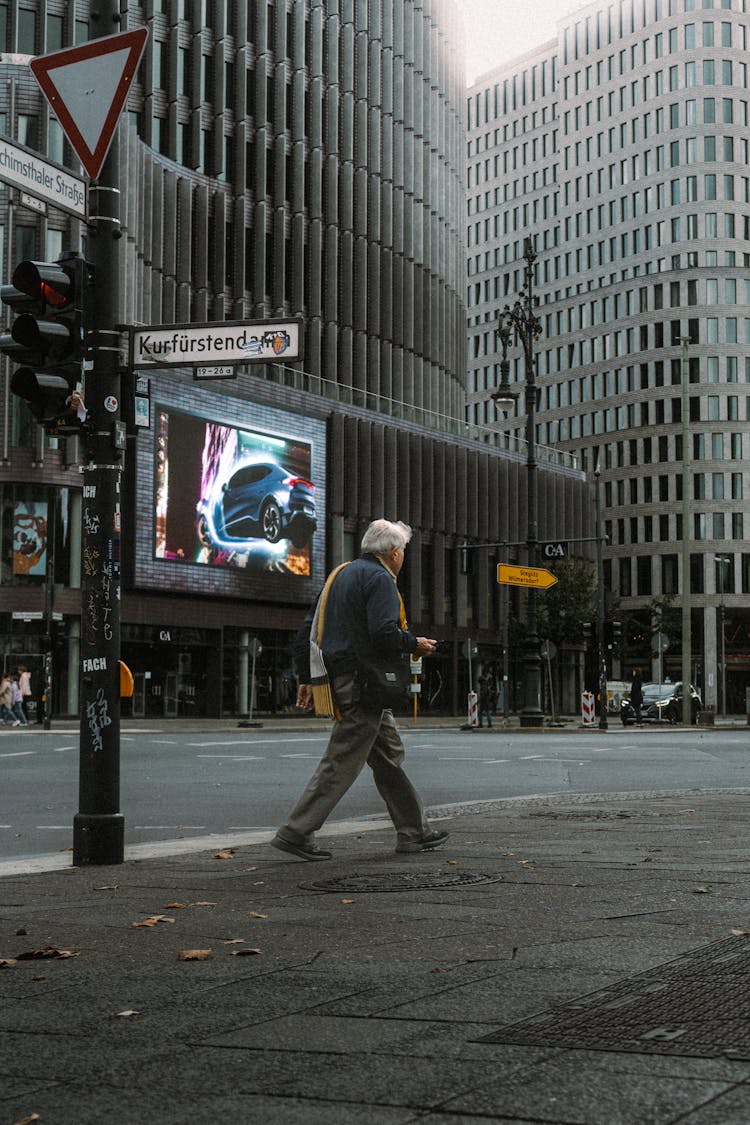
{"x":47,"y":282}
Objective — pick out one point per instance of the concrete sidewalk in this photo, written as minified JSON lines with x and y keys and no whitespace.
{"x":365,"y":998}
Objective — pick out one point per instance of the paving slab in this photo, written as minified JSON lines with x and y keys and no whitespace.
{"x":365,"y":1006}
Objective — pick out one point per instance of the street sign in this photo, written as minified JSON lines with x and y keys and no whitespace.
{"x":86,"y":87}
{"x":525,"y":576}
{"x":54,"y":184}
{"x":222,"y":372}
{"x":659,"y":643}
{"x":558,"y":550}
{"x":220,"y":344}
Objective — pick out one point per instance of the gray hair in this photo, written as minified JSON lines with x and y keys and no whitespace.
{"x":382,"y":536}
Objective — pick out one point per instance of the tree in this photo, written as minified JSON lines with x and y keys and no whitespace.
{"x":563,"y":609}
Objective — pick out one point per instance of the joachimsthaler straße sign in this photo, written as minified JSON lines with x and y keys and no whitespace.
{"x":30,"y":172}
{"x":224,"y":342}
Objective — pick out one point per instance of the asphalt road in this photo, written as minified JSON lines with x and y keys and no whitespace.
{"x":195,"y":784}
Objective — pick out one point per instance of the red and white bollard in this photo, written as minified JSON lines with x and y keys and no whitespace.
{"x":588,"y":717}
{"x":473,"y":712}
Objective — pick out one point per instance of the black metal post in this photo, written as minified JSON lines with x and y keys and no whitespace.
{"x":49,"y":601}
{"x":601,"y":642}
{"x":99,"y":827}
{"x":522,"y":320}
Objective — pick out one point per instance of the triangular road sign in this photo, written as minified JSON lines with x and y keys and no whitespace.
{"x":86,"y":87}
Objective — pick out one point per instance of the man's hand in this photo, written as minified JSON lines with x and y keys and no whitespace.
{"x":425,"y":646}
{"x":305,"y":697}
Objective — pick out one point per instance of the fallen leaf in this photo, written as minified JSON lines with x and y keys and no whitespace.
{"x":152,"y":921}
{"x":175,"y":906}
{"x":260,"y":883}
{"x":234,"y":941}
{"x":347,"y":901}
{"x":250,"y":869}
{"x":46,"y":953}
{"x":452,"y":862}
{"x":194,"y":954}
{"x":109,"y":887}
{"x":740,"y":933}
{"x":22,"y":932}
{"x":246,"y":952}
{"x":438,"y":970}
{"x":42,"y":976}
{"x":225,"y":853}
{"x":648,"y":859}
{"x":6,"y":962}
{"x":28,"y":1120}
{"x":205,"y":904}
{"x":70,"y":849}
{"x":700,"y":890}
{"x":255,"y":914}
{"x":127,"y":1013}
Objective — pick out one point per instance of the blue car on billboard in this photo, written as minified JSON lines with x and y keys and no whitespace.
{"x":259,"y":500}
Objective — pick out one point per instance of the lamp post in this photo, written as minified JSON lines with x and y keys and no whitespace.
{"x":521,"y":322}
{"x":722,"y":560}
{"x":600,"y":601}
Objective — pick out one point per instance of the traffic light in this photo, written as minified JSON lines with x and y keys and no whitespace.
{"x":47,"y":338}
{"x":613,"y":634}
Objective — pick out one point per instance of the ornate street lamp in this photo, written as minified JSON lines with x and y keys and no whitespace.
{"x":521,"y":322}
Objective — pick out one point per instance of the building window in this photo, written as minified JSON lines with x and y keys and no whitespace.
{"x":643,"y":571}
{"x":26,"y":32}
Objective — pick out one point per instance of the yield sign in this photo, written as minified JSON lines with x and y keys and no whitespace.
{"x":86,"y":87}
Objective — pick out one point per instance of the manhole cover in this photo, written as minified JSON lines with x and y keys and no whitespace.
{"x":696,"y":1005}
{"x":375,"y":882}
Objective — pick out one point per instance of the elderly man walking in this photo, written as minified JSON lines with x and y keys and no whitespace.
{"x":358,"y":620}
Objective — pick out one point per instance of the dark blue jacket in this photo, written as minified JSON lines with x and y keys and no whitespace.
{"x":362,"y":619}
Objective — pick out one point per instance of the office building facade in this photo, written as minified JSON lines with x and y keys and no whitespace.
{"x":621,"y":149}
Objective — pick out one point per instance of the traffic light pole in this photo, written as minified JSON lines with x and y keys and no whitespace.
{"x":99,"y":827}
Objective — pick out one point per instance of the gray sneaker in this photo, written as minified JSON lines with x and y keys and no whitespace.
{"x":304,"y":851}
{"x":426,"y":844}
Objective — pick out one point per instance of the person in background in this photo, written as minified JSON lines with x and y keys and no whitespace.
{"x":24,"y":683}
{"x":485,"y":699}
{"x":6,"y":702}
{"x":363,"y":618}
{"x":16,"y":703}
{"x":636,"y":694}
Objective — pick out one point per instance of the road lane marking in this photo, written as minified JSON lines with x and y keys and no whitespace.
{"x":256,"y":741}
{"x":169,"y":827}
{"x":62,"y":749}
{"x":18,"y":754}
{"x":491,"y":761}
{"x":315,"y":756}
{"x":231,"y":757}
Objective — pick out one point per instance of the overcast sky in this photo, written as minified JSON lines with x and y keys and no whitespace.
{"x":499,"y":30}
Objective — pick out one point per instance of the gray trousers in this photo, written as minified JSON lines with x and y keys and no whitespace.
{"x":359,"y":736}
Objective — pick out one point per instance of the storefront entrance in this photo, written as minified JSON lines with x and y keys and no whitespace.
{"x":173,"y":670}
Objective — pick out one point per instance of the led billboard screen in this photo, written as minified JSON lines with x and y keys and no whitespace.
{"x":232,"y":497}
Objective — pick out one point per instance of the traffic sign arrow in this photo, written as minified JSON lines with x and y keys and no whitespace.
{"x":86,"y":87}
{"x":525,"y":576}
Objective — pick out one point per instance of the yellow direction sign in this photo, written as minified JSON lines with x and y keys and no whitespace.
{"x":525,"y":576}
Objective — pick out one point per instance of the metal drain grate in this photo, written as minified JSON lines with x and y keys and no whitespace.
{"x":377,"y":883}
{"x":698,"y":1004}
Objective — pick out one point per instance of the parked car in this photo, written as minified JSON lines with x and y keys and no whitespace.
{"x":662,"y":703}
{"x":259,"y":500}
